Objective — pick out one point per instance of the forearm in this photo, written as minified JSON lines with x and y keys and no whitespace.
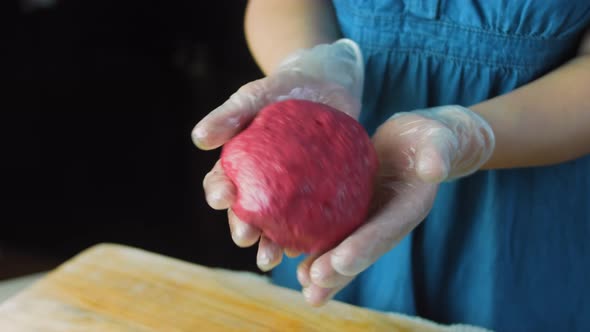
{"x":276,"y":28}
{"x":545,"y":122}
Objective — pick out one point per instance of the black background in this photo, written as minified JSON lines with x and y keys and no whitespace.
{"x":98,"y":101}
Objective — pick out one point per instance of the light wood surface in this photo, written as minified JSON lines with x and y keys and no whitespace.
{"x":116,"y":288}
{"x":9,"y":288}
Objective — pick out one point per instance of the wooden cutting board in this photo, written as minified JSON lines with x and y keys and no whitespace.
{"x":116,"y":288}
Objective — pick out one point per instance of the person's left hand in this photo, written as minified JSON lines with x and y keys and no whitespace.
{"x":417,"y":150}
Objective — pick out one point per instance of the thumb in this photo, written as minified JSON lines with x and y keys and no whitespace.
{"x":435,"y":156}
{"x":462,"y":143}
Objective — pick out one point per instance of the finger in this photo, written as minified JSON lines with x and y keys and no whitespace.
{"x":434,"y":156}
{"x":237,"y":112}
{"x":292,"y":253}
{"x":243,"y":234}
{"x":318,"y":296}
{"x":231,"y":117}
{"x":220,"y":192}
{"x":383,"y":230}
{"x":322,"y":273}
{"x":431,"y":166}
{"x":269,"y":254}
{"x":303,"y":271}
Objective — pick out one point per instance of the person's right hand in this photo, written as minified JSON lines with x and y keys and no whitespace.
{"x":331,"y":74}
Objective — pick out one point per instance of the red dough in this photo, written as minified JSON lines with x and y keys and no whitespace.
{"x":304,"y":174}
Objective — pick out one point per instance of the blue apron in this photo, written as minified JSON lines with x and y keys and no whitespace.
{"x":503,"y":249}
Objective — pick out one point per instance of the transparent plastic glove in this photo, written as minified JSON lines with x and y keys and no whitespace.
{"x":331,"y":74}
{"x":452,"y":141}
{"x":417,"y":150}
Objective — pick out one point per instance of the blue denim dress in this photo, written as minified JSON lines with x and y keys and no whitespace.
{"x":505,"y":249}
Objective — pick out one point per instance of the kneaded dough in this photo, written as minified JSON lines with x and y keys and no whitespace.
{"x":304,"y":174}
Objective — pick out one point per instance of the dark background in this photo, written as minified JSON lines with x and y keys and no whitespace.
{"x":97,"y":104}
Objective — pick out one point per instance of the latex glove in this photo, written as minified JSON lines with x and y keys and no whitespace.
{"x":417,"y":150}
{"x":330,"y":73}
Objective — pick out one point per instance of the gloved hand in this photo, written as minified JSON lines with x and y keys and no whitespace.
{"x":331,"y":74}
{"x":417,"y":150}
